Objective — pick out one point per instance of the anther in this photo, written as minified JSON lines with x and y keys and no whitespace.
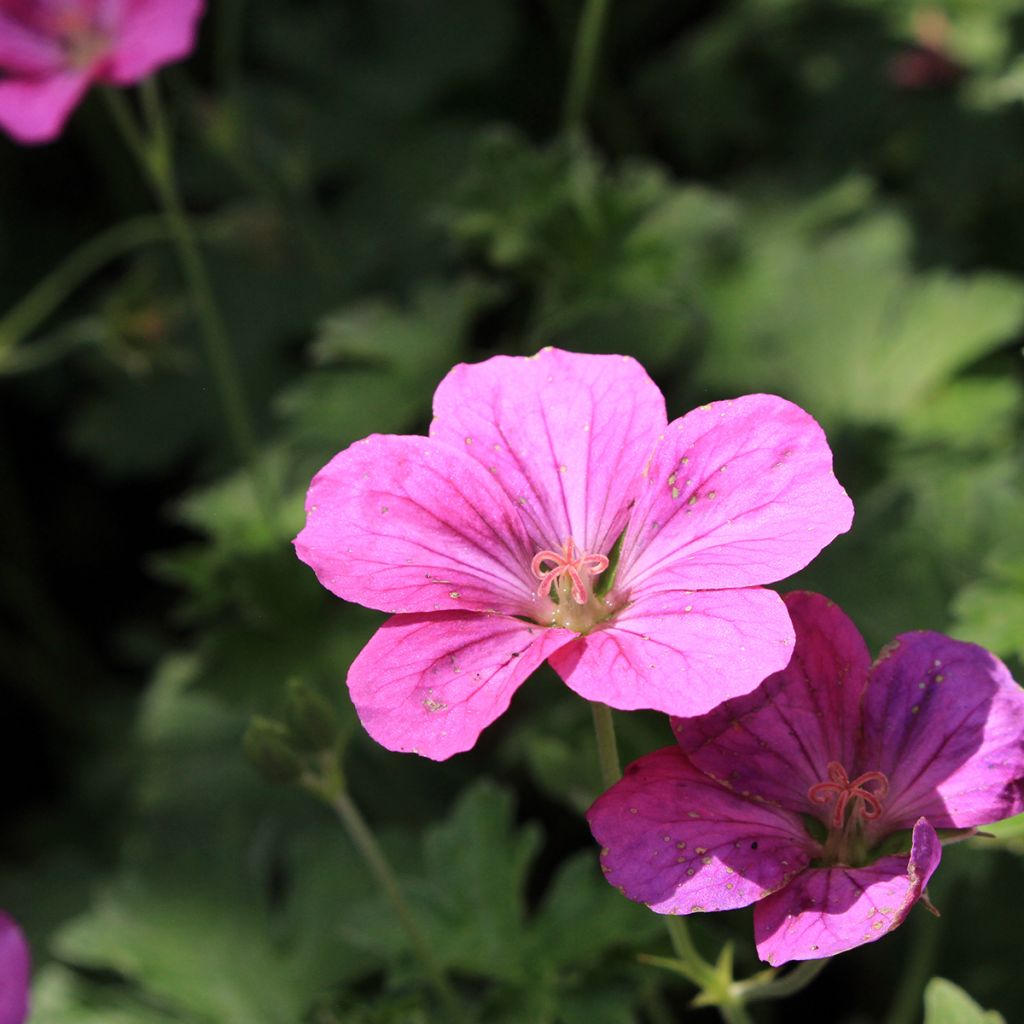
{"x":568,"y":562}
{"x":840,"y":788}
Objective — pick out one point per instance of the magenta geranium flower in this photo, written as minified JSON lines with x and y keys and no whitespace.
{"x":554,"y":513}
{"x":14,"y":971}
{"x":819,"y":794}
{"x":51,"y":51}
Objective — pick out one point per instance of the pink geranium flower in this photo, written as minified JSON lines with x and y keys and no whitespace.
{"x":554,"y":513}
{"x":51,"y":51}
{"x":875,"y":758}
{"x":14,"y":971}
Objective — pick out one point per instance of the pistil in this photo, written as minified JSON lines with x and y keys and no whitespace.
{"x":566,"y":576}
{"x":854,"y":804}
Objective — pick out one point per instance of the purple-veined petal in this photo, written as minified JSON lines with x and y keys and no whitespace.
{"x":152,"y":33}
{"x":675,"y":840}
{"x":825,"y":911}
{"x":944,"y":721}
{"x":34,"y":110}
{"x":429,"y":684}
{"x":14,"y":972}
{"x":738,"y":493}
{"x":681,"y":653}
{"x":26,"y":52}
{"x":566,"y":435}
{"x":409,"y":524}
{"x":777,"y":741}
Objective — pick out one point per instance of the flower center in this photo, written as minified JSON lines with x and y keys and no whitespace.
{"x":853,"y":804}
{"x":844,"y":792}
{"x":570,"y":564}
{"x":566,"y":578}
{"x":82,"y":39}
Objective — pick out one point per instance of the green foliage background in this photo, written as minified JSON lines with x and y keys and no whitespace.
{"x":383,"y":190}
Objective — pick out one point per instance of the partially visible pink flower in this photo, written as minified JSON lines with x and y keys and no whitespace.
{"x":876,"y":758}
{"x":555,"y":513}
{"x":51,"y":51}
{"x":14,"y":972}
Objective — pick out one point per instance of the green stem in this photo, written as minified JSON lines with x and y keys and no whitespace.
{"x":330,"y":788}
{"x":693,"y":964}
{"x":906,"y":1004}
{"x":155,"y":155}
{"x":775,"y":986}
{"x":584,"y":61}
{"x":22,"y":319}
{"x":607,"y":747}
{"x":735,"y":1013}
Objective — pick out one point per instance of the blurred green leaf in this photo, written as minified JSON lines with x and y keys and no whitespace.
{"x":946,"y":1003}
{"x":836,"y":317}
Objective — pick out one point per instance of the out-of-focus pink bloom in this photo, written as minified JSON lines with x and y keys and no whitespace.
{"x":51,"y":51}
{"x":553,"y":512}
{"x":14,"y":972}
{"x":876,"y":758}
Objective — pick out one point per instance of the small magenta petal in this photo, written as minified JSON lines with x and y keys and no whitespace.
{"x":945,"y":721}
{"x":739,"y":493}
{"x":14,"y":972}
{"x":778,"y":741}
{"x":24,"y":51}
{"x":675,"y":840}
{"x":152,"y":33}
{"x":34,"y":110}
{"x":410,"y":524}
{"x":681,"y":653}
{"x":566,"y":435}
{"x":825,"y":911}
{"x":429,"y":684}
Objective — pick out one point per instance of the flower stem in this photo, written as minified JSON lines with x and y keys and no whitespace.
{"x":26,"y":315}
{"x":154,"y":153}
{"x":607,"y":747}
{"x":329,"y":787}
{"x":694,"y":965}
{"x":584,"y":60}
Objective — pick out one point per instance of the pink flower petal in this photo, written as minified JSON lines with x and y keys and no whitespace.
{"x":152,"y":33}
{"x":738,"y":493}
{"x":14,"y":972}
{"x":681,"y":653}
{"x":566,"y":435}
{"x":945,"y":721}
{"x":25,"y":52}
{"x":777,"y":741}
{"x":680,"y":843}
{"x":35,"y":110}
{"x":430,"y":683}
{"x":410,"y":524}
{"x":825,"y":911}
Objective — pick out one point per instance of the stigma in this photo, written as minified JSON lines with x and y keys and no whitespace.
{"x":570,"y":565}
{"x":867,"y":803}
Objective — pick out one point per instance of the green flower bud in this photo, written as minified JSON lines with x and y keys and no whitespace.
{"x":268,"y":745}
{"x":311,"y":720}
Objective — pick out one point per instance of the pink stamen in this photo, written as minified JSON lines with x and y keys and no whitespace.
{"x":567,"y":562}
{"x":843,"y":791}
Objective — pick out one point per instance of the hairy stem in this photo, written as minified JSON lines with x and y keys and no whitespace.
{"x":585,"y":54}
{"x":330,"y":788}
{"x":155,"y":155}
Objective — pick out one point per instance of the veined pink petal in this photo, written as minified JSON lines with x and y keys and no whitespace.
{"x":825,"y":911}
{"x":566,"y":435}
{"x":675,"y":840}
{"x":777,"y":741}
{"x":738,"y":493}
{"x":152,"y":33}
{"x":25,"y":52}
{"x":681,"y":653}
{"x":14,"y":972}
{"x":33,"y":110}
{"x":945,"y":721}
{"x":410,"y":524}
{"x":430,"y":684}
